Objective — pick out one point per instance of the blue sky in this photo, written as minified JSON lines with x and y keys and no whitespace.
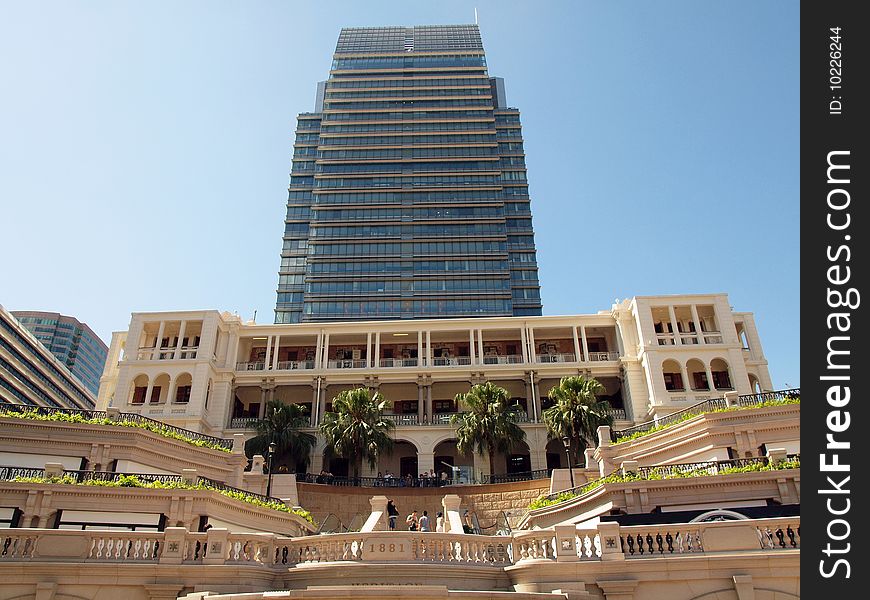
{"x":145,"y":149}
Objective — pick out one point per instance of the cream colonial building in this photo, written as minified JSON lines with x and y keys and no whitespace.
{"x":212,"y":372}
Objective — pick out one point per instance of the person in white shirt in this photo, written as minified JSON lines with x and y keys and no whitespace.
{"x":439,"y":522}
{"x":423,"y":523}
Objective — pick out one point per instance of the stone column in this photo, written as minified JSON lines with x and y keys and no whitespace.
{"x":315,"y":405}
{"x":585,"y":344}
{"x":533,"y":353}
{"x":429,"y":348}
{"x":262,"y":401}
{"x":425,"y":461}
{"x":170,"y":393}
{"x":687,"y":383}
{"x":148,"y":391}
{"x":524,"y":344}
{"x":577,"y":354}
{"x":536,"y":392}
{"x":267,"y":361}
{"x":709,"y":377}
{"x":275,"y":352}
{"x":429,"y":401}
{"x":420,"y":407}
{"x":377,"y":520}
{"x":180,"y":340}
{"x":155,"y":355}
{"x":377,"y":357}
{"x":452,"y":518}
{"x":674,"y":325}
{"x":471,"y":352}
{"x":325,"y":363}
{"x":697,"y":323}
{"x":480,"y":346}
{"x":420,"y":348}
{"x":369,"y":349}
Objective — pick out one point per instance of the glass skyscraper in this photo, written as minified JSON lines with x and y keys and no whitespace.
{"x":408,"y":195}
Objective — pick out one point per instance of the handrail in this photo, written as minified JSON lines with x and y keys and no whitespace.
{"x":123,"y":416}
{"x":707,"y":406}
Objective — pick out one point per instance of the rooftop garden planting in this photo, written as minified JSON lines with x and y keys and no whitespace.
{"x":132,"y":481}
{"x":167,"y":431}
{"x":669,"y":472}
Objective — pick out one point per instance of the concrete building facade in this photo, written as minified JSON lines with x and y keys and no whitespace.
{"x":221,"y":385}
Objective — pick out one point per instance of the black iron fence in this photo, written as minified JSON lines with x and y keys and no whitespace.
{"x":419,"y":482}
{"x":136,"y":418}
{"x":340,"y":481}
{"x":511,"y":477}
{"x":674,"y":471}
{"x":706,"y":406}
{"x":13,"y":473}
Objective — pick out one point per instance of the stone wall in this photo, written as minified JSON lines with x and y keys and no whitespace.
{"x":485,"y":500}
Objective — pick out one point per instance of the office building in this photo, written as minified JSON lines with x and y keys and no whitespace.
{"x":71,"y":341}
{"x":408,"y":193}
{"x":31,"y":374}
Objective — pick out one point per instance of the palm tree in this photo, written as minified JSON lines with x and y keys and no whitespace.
{"x":576,"y":412}
{"x":282,"y":425}
{"x":489,"y":424}
{"x":357,"y":429}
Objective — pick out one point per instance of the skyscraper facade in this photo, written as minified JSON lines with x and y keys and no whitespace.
{"x":71,"y":341}
{"x":408,"y":194}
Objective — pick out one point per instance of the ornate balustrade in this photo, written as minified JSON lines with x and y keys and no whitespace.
{"x":564,"y":543}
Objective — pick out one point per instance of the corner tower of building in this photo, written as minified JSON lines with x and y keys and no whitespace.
{"x":408,"y":191}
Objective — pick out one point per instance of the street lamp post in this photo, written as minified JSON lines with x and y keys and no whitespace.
{"x":567,"y":443}
{"x":269,"y":467}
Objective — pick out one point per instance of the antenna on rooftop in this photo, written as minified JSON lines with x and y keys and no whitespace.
{"x":254,"y":319}
{"x":475,"y":15}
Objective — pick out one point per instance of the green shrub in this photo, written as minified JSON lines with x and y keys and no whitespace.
{"x":134,"y":481}
{"x":157,"y":428}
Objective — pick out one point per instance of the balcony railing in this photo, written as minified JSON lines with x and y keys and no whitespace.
{"x":555,"y":358}
{"x":603,"y":356}
{"x":510,"y":359}
{"x":618,"y":414}
{"x":689,"y":338}
{"x":451,"y":361}
{"x":347,"y":364}
{"x":406,"y":419}
{"x":167,"y":353}
{"x":388,"y":363}
{"x":398,"y":362}
{"x":250,"y":366}
{"x":292,"y":365}
{"x":244,"y":422}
